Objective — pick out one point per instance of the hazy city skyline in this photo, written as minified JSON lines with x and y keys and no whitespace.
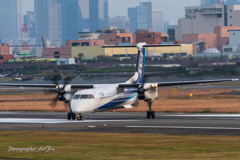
{"x":172,"y":9}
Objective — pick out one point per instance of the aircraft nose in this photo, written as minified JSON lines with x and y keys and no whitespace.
{"x":78,"y":106}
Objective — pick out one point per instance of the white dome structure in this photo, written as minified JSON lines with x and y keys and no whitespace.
{"x":211,"y":50}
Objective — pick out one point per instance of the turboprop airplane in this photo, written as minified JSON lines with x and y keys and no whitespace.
{"x":103,"y":97}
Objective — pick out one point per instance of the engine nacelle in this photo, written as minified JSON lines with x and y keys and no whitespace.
{"x":141,"y":96}
{"x":151,"y":93}
{"x":68,"y":88}
{"x":62,"y":99}
{"x":67,"y":96}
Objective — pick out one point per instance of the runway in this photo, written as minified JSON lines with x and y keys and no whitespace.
{"x":176,"y":124}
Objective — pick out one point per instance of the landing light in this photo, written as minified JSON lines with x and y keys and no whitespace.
{"x":154,"y":85}
{"x":58,"y":87}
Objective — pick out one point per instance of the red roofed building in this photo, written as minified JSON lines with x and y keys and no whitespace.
{"x":149,"y":36}
{"x":4,"y":49}
{"x":4,"y":58}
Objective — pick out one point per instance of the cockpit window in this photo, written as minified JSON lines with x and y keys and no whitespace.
{"x":76,"y":96}
{"x":91,"y":96}
{"x":86,"y":96}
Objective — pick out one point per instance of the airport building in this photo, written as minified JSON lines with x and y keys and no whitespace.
{"x":91,"y":52}
{"x":217,"y":39}
{"x":117,"y":37}
{"x":234,"y":42}
{"x":73,"y":48}
{"x":150,"y":37}
{"x":203,"y":19}
{"x":169,"y":52}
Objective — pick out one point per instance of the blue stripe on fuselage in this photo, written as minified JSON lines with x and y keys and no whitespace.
{"x":116,"y":102}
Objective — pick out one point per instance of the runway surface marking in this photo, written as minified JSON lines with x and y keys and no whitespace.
{"x":205,"y":115}
{"x":183,"y":127}
{"x":8,"y":113}
{"x":219,"y":118}
{"x":24,"y":120}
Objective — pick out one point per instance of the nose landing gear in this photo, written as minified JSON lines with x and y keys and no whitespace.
{"x":80,"y":117}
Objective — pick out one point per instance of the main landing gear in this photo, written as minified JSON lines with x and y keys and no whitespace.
{"x":150,"y":113}
{"x":71,"y":116}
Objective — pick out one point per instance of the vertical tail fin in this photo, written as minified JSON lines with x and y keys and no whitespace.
{"x":140,"y":66}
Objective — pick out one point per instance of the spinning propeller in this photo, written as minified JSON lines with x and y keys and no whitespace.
{"x":61,"y":90}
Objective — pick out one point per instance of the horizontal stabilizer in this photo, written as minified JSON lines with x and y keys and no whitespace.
{"x":128,"y":106}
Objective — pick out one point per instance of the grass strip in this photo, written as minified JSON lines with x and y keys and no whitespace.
{"x":118,"y":146}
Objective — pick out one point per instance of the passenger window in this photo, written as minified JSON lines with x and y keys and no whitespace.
{"x":91,"y":96}
{"x":76,"y":97}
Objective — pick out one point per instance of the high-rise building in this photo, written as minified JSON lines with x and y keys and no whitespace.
{"x":168,"y":25}
{"x":70,"y":19}
{"x":145,"y":11}
{"x":232,"y":2}
{"x":98,"y":14}
{"x":119,"y":22}
{"x":132,"y":14}
{"x":210,"y":2}
{"x":29,"y":20}
{"x":141,"y":16}
{"x":84,"y":15}
{"x":93,"y":14}
{"x":223,"y":2}
{"x":157,"y":19}
{"x":11,"y":19}
{"x":48,"y":18}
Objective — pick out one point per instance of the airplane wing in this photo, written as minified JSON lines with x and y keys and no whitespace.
{"x":162,"y":84}
{"x":134,"y":85}
{"x":80,"y":86}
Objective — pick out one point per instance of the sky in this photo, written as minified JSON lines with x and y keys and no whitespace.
{"x":172,"y":9}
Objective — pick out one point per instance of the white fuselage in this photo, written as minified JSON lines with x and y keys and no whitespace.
{"x":107,"y":97}
{"x":102,"y":98}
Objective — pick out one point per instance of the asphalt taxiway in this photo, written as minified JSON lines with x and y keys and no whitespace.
{"x":113,"y":122}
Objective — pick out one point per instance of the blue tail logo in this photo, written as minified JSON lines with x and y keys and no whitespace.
{"x":141,"y":66}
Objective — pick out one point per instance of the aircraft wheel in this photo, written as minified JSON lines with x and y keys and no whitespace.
{"x":81,"y":118}
{"x":153,"y":115}
{"x":78,"y":117}
{"x":69,"y":116}
{"x":148,"y":115}
{"x":73,"y":116}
